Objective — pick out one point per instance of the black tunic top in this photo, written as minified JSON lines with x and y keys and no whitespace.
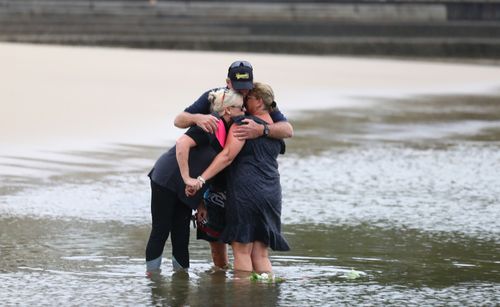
{"x":166,"y":171}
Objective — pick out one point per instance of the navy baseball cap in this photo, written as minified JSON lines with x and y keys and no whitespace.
{"x":241,"y":75}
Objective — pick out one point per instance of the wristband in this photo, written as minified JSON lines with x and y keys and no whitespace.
{"x":200,"y":179}
{"x":266,"y":130}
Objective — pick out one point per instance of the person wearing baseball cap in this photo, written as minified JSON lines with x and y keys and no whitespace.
{"x":240,"y":78}
{"x":240,"y":75}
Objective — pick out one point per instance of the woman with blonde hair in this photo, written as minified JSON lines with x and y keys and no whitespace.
{"x":170,"y":207}
{"x":253,"y":205}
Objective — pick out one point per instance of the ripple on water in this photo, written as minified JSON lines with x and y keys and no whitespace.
{"x":420,"y":223}
{"x":449,"y":189}
{"x":455,"y":189}
{"x":101,"y":263}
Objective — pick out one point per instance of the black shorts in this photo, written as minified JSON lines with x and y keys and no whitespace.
{"x":211,"y":229}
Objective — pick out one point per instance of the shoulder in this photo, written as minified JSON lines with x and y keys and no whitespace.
{"x":256,"y":119}
{"x":277,"y":116}
{"x":197,"y":134}
{"x":202,"y":104}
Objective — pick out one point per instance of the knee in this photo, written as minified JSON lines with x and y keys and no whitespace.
{"x":259,"y":252}
{"x":159,"y":234}
{"x":242,"y":252}
{"x":258,"y":257}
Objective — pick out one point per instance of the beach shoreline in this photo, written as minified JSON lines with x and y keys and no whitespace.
{"x":56,"y":94}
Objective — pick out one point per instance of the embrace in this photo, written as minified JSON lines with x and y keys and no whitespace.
{"x":225,"y":167}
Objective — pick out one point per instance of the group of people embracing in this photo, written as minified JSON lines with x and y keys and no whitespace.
{"x":224,"y":167}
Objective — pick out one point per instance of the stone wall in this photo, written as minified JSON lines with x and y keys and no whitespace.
{"x":406,"y":28}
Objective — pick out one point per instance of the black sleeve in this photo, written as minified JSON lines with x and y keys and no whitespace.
{"x":200,"y":106}
{"x":199,"y":136}
{"x":277,"y":116}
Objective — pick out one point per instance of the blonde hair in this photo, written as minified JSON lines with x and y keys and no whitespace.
{"x":223,"y":98}
{"x":266,"y":93}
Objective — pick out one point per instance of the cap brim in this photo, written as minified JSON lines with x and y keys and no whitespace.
{"x":242,"y":85}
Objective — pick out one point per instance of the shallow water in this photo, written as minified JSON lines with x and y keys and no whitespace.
{"x":405,"y":192}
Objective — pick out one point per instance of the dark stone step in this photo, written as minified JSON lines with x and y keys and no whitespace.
{"x":409,"y":28}
{"x":286,"y":45}
{"x":67,"y":24}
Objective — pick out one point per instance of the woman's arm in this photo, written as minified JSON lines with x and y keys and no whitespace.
{"x":182,"y":147}
{"x":226,"y":156}
{"x":252,"y":130}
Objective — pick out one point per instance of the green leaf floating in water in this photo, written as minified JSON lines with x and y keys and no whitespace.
{"x":352,"y":274}
{"x":265,"y":277}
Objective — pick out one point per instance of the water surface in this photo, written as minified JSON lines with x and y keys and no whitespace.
{"x":404,"y":191}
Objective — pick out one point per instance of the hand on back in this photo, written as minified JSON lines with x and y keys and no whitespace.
{"x":249,"y":129}
{"x":207,"y":122}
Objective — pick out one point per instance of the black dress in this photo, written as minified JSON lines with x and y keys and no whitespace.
{"x":253,"y":206}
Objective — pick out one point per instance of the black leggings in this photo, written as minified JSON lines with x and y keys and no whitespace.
{"x":169,"y":215}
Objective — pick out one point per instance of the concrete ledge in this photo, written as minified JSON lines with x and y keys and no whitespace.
{"x":399,"y":12}
{"x":285,"y":45}
{"x":411,"y":28}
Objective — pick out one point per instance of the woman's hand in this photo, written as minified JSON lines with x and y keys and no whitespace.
{"x":207,"y":122}
{"x":249,"y":129}
{"x":192,"y":186}
{"x":191,"y":182}
{"x":190,"y":191}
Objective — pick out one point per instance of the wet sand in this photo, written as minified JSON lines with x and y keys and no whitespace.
{"x":65,"y":97}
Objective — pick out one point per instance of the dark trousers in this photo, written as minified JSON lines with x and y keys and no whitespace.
{"x":169,"y":215}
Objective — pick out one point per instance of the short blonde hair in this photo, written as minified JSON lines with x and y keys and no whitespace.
{"x":223,"y":98}
{"x":266,"y":93}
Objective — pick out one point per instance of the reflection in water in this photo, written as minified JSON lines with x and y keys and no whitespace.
{"x":405,"y":192}
{"x":173,"y":292}
{"x":103,"y":261}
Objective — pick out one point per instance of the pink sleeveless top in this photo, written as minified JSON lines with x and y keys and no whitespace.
{"x":221,"y":133}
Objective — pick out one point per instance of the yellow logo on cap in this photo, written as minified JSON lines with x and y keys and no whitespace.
{"x":242,"y":76}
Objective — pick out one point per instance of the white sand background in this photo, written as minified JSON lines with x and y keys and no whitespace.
{"x":64,"y":97}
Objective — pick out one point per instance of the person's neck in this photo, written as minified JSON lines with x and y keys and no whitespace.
{"x":264,"y":115}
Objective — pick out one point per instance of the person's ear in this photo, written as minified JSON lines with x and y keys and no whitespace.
{"x":261,"y":103}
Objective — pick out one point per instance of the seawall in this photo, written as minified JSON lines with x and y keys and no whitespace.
{"x":466,"y":29}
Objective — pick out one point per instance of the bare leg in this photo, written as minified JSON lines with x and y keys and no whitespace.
{"x":219,"y":254}
{"x":242,"y":256}
{"x":260,"y":258}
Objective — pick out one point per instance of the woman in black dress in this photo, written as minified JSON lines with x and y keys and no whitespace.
{"x":253,"y":206}
{"x":170,"y":207}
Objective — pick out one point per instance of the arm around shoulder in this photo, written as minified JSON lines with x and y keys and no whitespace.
{"x":281,"y":130}
{"x":207,"y":122}
{"x":226,"y":156}
{"x":185,"y":120}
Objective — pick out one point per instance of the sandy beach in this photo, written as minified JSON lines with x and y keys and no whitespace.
{"x":392,"y":175}
{"x":66,"y":96}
